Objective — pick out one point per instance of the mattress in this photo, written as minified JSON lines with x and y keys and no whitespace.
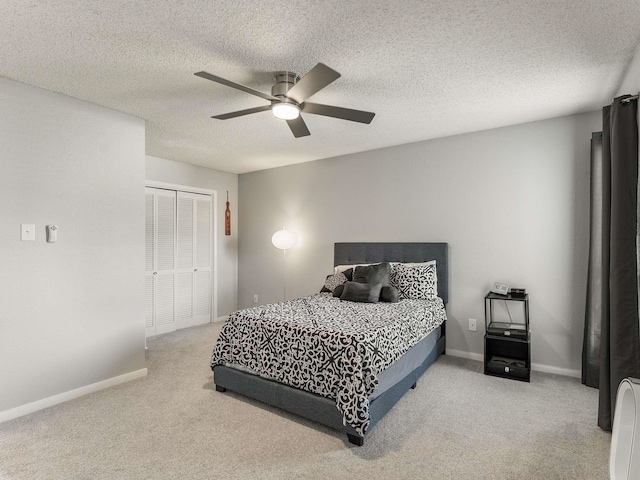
{"x":399,"y":369}
{"x":407,"y":363}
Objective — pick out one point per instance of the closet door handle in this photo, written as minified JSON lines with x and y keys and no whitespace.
{"x":155,"y":273}
{"x":195,"y":269}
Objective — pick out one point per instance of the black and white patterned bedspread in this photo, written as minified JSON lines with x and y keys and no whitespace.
{"x":327,"y":346}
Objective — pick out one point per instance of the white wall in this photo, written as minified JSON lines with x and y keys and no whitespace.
{"x":162,"y":170}
{"x":71,"y":313}
{"x":631,"y":81}
{"x":512,"y":202}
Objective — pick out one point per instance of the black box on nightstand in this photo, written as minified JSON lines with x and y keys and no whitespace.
{"x":518,"y":292}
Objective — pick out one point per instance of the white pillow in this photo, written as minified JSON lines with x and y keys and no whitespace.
{"x":420,"y":264}
{"x":342,"y":268}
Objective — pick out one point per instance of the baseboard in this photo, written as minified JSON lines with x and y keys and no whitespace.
{"x":468,"y":355}
{"x":221,"y":319}
{"x":538,"y":367}
{"x":567,"y":372}
{"x":70,"y":395}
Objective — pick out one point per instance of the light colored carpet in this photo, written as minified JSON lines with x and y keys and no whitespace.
{"x":172,"y":424}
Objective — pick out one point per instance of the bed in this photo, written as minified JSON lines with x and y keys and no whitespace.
{"x":379,"y":361}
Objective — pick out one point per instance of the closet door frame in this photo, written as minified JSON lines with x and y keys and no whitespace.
{"x":213,"y":232}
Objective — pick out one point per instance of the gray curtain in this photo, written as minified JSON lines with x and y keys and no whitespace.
{"x":597,"y":294}
{"x":612,"y":292}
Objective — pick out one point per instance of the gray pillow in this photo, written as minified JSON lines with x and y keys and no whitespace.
{"x":361,"y":292}
{"x":373,"y":274}
{"x":338,"y":290}
{"x":349,"y":274}
{"x":389,"y":294}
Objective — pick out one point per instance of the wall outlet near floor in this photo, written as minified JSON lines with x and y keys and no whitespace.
{"x":472,"y":324}
{"x":255,"y":298}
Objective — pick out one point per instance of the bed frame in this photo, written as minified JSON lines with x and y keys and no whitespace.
{"x":321,"y":409}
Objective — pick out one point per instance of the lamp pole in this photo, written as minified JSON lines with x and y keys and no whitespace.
{"x":284,"y":261}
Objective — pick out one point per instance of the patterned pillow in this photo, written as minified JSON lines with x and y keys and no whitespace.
{"x":418,"y":282}
{"x":394,"y":269}
{"x":393,"y":274}
{"x":334,"y":280}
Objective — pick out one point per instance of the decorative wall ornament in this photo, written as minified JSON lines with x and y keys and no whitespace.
{"x":227,"y":218}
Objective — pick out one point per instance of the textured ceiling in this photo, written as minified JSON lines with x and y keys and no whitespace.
{"x":426,"y":68}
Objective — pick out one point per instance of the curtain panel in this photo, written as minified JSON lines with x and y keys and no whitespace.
{"x":611,"y":350}
{"x":597,"y":294}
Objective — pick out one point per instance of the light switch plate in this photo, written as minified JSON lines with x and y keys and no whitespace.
{"x":27,"y":232}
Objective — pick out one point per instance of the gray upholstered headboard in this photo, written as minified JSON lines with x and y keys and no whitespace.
{"x":351,"y":253}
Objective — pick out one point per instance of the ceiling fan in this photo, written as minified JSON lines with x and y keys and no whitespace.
{"x":288,"y":98}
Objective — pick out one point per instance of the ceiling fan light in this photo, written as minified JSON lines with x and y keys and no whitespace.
{"x":285,"y":111}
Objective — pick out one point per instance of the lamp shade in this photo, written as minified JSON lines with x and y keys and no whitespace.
{"x":284,"y":239}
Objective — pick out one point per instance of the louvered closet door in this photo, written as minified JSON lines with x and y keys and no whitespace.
{"x":160,"y":260}
{"x":193,"y":273}
{"x":204,"y":259}
{"x":150,"y":260}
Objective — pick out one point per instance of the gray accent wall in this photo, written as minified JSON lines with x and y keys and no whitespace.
{"x":512,"y":203}
{"x":71,"y":312}
{"x":168,"y":171}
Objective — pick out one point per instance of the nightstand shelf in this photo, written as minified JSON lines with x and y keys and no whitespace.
{"x":507,"y":344}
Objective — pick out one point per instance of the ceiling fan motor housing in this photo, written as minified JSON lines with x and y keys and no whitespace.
{"x":284,"y":81}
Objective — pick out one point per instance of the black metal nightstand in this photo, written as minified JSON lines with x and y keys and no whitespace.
{"x":507,"y":344}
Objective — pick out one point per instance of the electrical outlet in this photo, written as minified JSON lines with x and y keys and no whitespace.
{"x":255,"y":298}
{"x":472,"y":324}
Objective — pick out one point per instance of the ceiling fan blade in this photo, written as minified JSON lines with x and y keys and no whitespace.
{"x":338,"y":112}
{"x":298,"y":127}
{"x":240,"y":113}
{"x":237,"y":86}
{"x":315,"y":80}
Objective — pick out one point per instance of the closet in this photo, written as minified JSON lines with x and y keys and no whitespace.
{"x":178,"y":259}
